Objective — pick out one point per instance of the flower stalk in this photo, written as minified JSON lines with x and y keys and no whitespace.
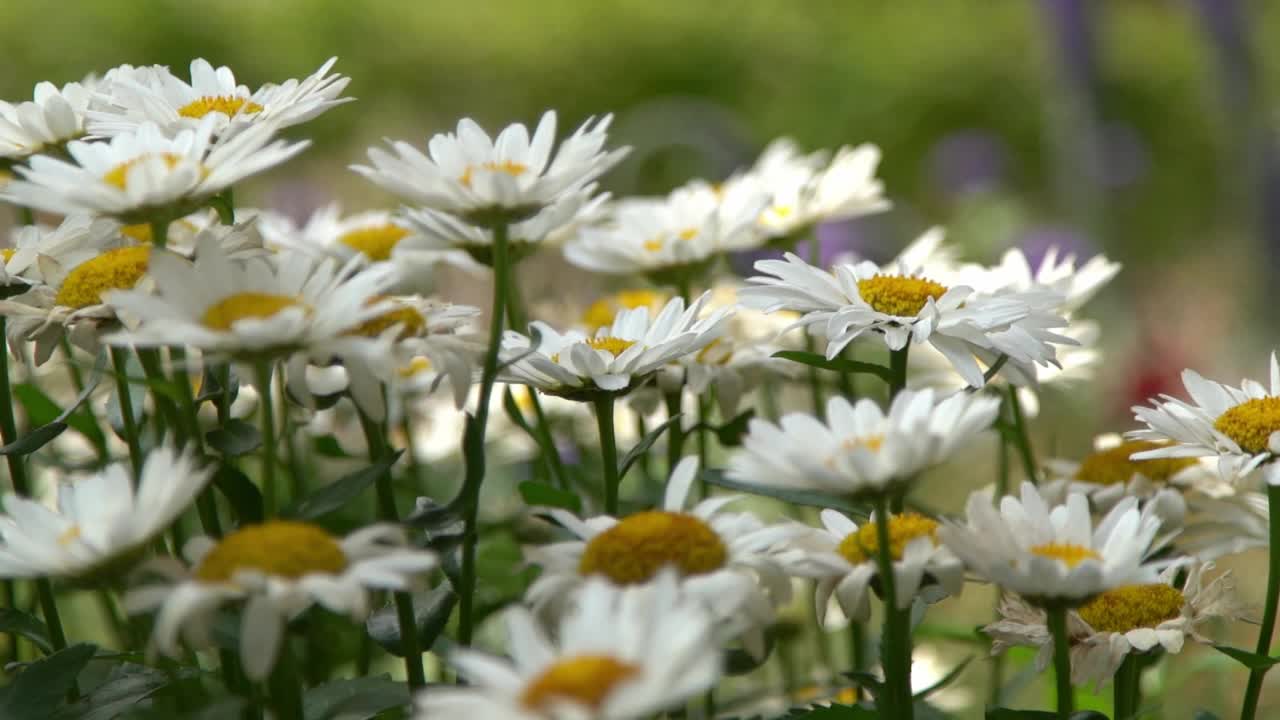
{"x":1057,"y":619}
{"x":895,"y":647}
{"x":1253,"y":691}
{"x":608,"y":452}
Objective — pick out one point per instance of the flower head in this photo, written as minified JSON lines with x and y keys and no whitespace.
{"x":53,"y":117}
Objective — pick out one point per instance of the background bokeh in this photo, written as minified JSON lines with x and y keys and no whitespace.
{"x":1142,"y":128}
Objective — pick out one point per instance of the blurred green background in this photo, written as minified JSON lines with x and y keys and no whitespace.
{"x":1140,"y":128}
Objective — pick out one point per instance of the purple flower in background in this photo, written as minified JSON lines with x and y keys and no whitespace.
{"x":856,"y":235}
{"x":967,"y":161}
{"x":1037,"y":241}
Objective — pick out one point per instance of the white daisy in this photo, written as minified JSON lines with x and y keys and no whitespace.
{"x":843,"y":558}
{"x":902,"y":305}
{"x":617,"y":358}
{"x":1053,"y":556}
{"x":142,"y":176}
{"x":261,"y":306}
{"x":1239,"y":427}
{"x":53,"y":117}
{"x":76,"y":239}
{"x":102,"y":523}
{"x":133,"y":97}
{"x":490,"y":181}
{"x":1218,"y":526}
{"x":1128,"y":619}
{"x":1075,"y":285}
{"x":861,"y":449}
{"x":725,"y":559}
{"x":277,"y":569}
{"x":620,"y":654}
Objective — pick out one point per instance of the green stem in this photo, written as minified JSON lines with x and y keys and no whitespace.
{"x":120,"y":362}
{"x":285,"y":686}
{"x":675,"y":432}
{"x":8,"y":426}
{"x":26,"y":216}
{"x":416,"y":468}
{"x":474,"y":441}
{"x":857,"y":650}
{"x":1254,"y":689}
{"x":704,"y":443}
{"x":1022,"y":440}
{"x":550,"y":452}
{"x":1125,"y":687}
{"x":225,"y":204}
{"x":57,"y":637}
{"x":895,"y":646}
{"x":160,"y":232}
{"x":1061,"y":660}
{"x":898,"y":370}
{"x":269,"y":491}
{"x":996,"y":682}
{"x":153,"y":367}
{"x":608,"y":452}
{"x":815,"y":380}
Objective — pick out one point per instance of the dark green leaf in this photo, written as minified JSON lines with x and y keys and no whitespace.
{"x":127,"y":685}
{"x":835,"y":712}
{"x":337,"y":494}
{"x":798,"y":497}
{"x":16,"y":622}
{"x":945,"y":680}
{"x":836,"y":364}
{"x":643,"y":446}
{"x":52,"y":428}
{"x":999,"y":713}
{"x":536,"y":493}
{"x":363,"y":697}
{"x":234,"y":439}
{"x":34,"y":440}
{"x":327,"y":445}
{"x":41,"y":687}
{"x":730,"y":434}
{"x":866,"y":681}
{"x":40,"y":408}
{"x":1204,"y":715}
{"x":430,"y":612}
{"x":240,"y":491}
{"x":1250,"y":660}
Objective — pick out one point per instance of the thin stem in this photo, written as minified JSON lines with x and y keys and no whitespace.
{"x":996,"y":686}
{"x":898,"y":370}
{"x":1061,"y":661}
{"x":296,"y":477}
{"x":416,"y":468}
{"x":857,"y":650}
{"x":704,"y":442}
{"x":160,"y":232}
{"x":285,"y":686}
{"x":815,"y":380}
{"x":120,"y":362}
{"x":1021,"y":439}
{"x":225,"y":204}
{"x":8,"y":427}
{"x":608,"y":452}
{"x":269,"y":491}
{"x":1254,"y":689}
{"x":26,"y":216}
{"x":57,"y":637}
{"x":1125,"y":687}
{"x":675,"y":431}
{"x":552,"y":453}
{"x":895,"y":646}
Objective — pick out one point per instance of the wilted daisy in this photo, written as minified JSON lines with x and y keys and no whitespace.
{"x":1236,"y":426}
{"x":144,"y":175}
{"x":134,"y":97}
{"x":1053,"y":556}
{"x":617,"y":358}
{"x":1152,"y":617}
{"x":903,"y":305}
{"x":860,"y":449}
{"x":258,"y":307}
{"x":102,"y":523}
{"x":843,"y":557}
{"x":488,"y":181}
{"x":725,"y":559}
{"x":53,"y":117}
{"x":619,"y":654}
{"x":277,"y":569}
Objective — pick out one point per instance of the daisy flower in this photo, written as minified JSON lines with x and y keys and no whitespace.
{"x":619,"y":654}
{"x":102,"y":523}
{"x":1053,"y":556}
{"x":1151,"y":617}
{"x":860,"y":449}
{"x":277,"y":570}
{"x":137,"y":96}
{"x":1075,"y":285}
{"x":1218,"y":526}
{"x":602,"y":312}
{"x":616,"y":359}
{"x":263,"y":306}
{"x":903,"y":305}
{"x":724,"y":558}
{"x":53,"y":117}
{"x":842,"y":557}
{"x":75,"y":239}
{"x":1235,"y":426}
{"x":143,"y":176}
{"x":494,"y":181}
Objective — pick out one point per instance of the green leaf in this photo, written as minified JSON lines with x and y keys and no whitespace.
{"x":34,"y":440}
{"x":431,"y":612}
{"x":240,"y":491}
{"x":337,"y":494}
{"x":327,"y":445}
{"x":52,"y":427}
{"x":945,"y":680}
{"x":363,"y":697}
{"x":808,"y":498}
{"x":234,"y":439}
{"x":642,"y":447}
{"x":126,"y":686}
{"x":42,"y":686}
{"x":836,"y":364}
{"x":536,"y":493}
{"x":730,"y":434}
{"x":16,"y":622}
{"x":40,"y":408}
{"x":1253,"y":661}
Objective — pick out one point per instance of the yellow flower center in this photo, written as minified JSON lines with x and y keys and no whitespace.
{"x":118,"y":176}
{"x":514,"y":169}
{"x":602,"y":312}
{"x":1068,"y":553}
{"x":1132,"y":607}
{"x":1251,"y":423}
{"x":233,"y":308}
{"x":69,"y":535}
{"x":228,"y":105}
{"x":1113,"y":466}
{"x":583,"y":679}
{"x":6,"y":254}
{"x":612,"y":345}
{"x":415,"y":366}
{"x":635,"y":549}
{"x":862,"y":544}
{"x":715,"y":353}
{"x":410,"y":320}
{"x":282,"y":548}
{"x":870,"y":442}
{"x":897,"y":295}
{"x":118,"y":269}
{"x":376,"y":242}
{"x":688,"y":233}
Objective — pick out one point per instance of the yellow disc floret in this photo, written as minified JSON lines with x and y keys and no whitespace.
{"x":897,"y":295}
{"x":602,"y":312}
{"x":635,"y":549}
{"x":229,"y":310}
{"x":281,"y":548}
{"x":417,"y":365}
{"x":118,"y":176}
{"x":584,"y":679}
{"x":1070,"y":554}
{"x":862,"y":544}
{"x":228,"y":105}
{"x":1251,"y":423}
{"x":406,"y":316}
{"x":612,"y":345}
{"x":6,"y":254}
{"x":1133,"y":606}
{"x":514,"y":169}
{"x":118,"y":269}
{"x":1113,"y":466}
{"x":376,"y":241}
